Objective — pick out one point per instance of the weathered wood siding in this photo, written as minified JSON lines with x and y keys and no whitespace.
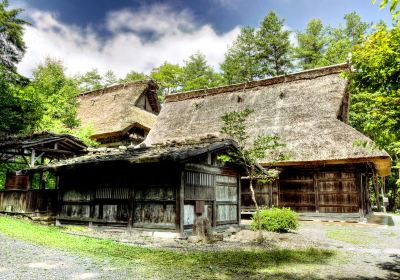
{"x":266,"y":194}
{"x":329,"y":189}
{"x":143,"y":196}
{"x":213,"y":193}
{"x":28,"y":201}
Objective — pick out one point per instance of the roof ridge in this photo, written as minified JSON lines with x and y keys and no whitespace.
{"x":302,"y":75}
{"x":114,"y":87}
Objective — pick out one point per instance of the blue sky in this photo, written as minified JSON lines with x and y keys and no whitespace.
{"x":130,"y":35}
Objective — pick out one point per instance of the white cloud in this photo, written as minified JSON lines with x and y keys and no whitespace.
{"x":81,"y":49}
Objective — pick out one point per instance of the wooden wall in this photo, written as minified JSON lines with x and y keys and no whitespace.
{"x":329,"y":189}
{"x":30,"y":201}
{"x":142,"y":196}
{"x":212,"y":193}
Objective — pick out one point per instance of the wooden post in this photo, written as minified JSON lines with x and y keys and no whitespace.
{"x":360,"y":190}
{"x":239,"y":200}
{"x":32,"y":158}
{"x":181,"y":203}
{"x":383,"y":193}
{"x":131,"y":207}
{"x":214,"y":212}
{"x":316,"y":193}
{"x":378,"y":201}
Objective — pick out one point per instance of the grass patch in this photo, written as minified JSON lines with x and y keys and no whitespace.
{"x":352,"y":236}
{"x":167,"y":264}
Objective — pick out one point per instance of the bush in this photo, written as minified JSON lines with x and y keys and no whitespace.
{"x":276,"y":219}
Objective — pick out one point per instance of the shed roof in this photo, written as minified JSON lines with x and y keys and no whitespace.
{"x":172,"y":152}
{"x":52,"y":145}
{"x":303,"y":109}
{"x":113,"y":110}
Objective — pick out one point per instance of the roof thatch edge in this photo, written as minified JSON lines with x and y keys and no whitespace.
{"x":307,"y":74}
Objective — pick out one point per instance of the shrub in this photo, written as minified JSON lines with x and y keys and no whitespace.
{"x":276,"y":219}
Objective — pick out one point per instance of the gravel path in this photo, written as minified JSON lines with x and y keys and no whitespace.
{"x":21,"y":260}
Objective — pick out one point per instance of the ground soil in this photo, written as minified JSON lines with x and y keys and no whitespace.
{"x":363,"y":251}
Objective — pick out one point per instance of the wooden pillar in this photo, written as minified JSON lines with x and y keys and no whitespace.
{"x":180,"y":203}
{"x":315,"y":182}
{"x":360,"y":189}
{"x":131,"y":207}
{"x":32,"y":164}
{"x":239,"y":200}
{"x":214,"y":212}
{"x":383,"y":193}
{"x":375,"y":183}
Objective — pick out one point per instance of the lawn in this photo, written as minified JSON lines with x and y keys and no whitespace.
{"x":167,"y":264}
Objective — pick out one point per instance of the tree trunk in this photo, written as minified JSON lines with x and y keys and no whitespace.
{"x":253,"y":197}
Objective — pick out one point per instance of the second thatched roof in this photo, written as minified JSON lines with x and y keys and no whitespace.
{"x":114,"y":109}
{"x":307,"y":110}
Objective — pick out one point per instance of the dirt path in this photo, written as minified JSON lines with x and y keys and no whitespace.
{"x":20,"y":260}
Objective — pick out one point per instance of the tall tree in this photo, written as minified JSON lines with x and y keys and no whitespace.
{"x":273,"y":46}
{"x":241,"y":63}
{"x":91,"y":80}
{"x":18,"y":111}
{"x":311,"y":45}
{"x":343,"y":39}
{"x":375,"y":89}
{"x":133,"y":76}
{"x":168,"y":77}
{"x":109,"y":78}
{"x":197,"y":74}
{"x":12,"y":45}
{"x":249,"y":154}
{"x":57,"y":96}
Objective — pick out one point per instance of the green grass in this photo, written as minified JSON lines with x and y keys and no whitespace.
{"x":352,"y":236}
{"x":167,"y":264}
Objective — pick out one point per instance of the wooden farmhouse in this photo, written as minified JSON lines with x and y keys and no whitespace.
{"x":330,"y":163}
{"x":120,"y":114}
{"x":162,"y":187}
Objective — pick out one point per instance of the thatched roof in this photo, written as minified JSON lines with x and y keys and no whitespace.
{"x":115,"y":109}
{"x":172,"y":152}
{"x":303,"y":109}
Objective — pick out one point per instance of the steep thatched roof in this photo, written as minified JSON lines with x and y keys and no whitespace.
{"x":172,"y":152}
{"x":114,"y":109}
{"x":303,"y":109}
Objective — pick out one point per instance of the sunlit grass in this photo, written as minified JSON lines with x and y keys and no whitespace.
{"x":168,"y":264}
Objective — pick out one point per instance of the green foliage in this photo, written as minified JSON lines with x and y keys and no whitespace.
{"x":241,"y":63}
{"x":91,"y":80}
{"x":12,"y":45}
{"x":167,"y":264}
{"x":276,"y":220}
{"x":133,"y":77}
{"x":197,"y":74}
{"x":55,"y":96}
{"x":311,"y":45}
{"x":393,"y":7}
{"x":375,"y":91}
{"x":168,"y":76}
{"x":109,"y":78}
{"x":273,"y":46}
{"x":17,"y":110}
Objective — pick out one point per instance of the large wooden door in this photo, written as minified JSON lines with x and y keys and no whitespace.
{"x":325,"y":190}
{"x":297,"y":191}
{"x":337,"y":192}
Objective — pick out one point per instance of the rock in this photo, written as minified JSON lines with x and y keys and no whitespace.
{"x":123,"y":148}
{"x":194,"y":239}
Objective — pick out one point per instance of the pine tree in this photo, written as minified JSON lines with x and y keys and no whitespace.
{"x":273,"y":46}
{"x":311,"y":45}
{"x":241,"y":63}
{"x":197,"y":74}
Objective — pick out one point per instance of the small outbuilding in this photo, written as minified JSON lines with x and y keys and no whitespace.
{"x":162,"y":187}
